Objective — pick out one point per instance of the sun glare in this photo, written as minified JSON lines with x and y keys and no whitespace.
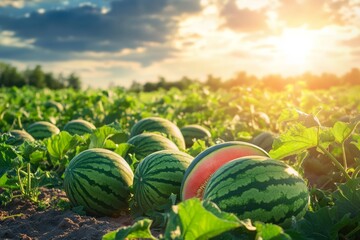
{"x":295,"y":46}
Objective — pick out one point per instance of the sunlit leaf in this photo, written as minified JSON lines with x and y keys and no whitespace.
{"x":294,"y":141}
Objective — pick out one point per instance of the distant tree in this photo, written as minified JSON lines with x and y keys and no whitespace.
{"x":213,"y":82}
{"x":53,"y":83}
{"x":9,"y":76}
{"x":352,"y":77}
{"x":136,"y":87}
{"x":242,"y":79}
{"x":36,"y":77}
{"x":274,"y":82}
{"x":73,"y":81}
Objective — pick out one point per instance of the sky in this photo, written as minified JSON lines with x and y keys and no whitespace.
{"x":116,"y":42}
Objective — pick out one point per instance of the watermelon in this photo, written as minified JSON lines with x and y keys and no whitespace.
{"x":194,"y":132}
{"x":41,"y":130}
{"x":79,"y":127}
{"x":208,"y":161}
{"x":259,"y":188}
{"x":264,"y":140}
{"x":147,"y":143}
{"x":53,"y":104}
{"x":99,"y":180}
{"x":160,"y":125}
{"x":159,"y":175}
{"x":18,"y":137}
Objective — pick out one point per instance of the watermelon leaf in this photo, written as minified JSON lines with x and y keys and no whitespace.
{"x":297,"y":139}
{"x":140,"y":229}
{"x":7,"y":154}
{"x":347,"y":198}
{"x":193,"y":219}
{"x":59,"y":144}
{"x":341,"y":131}
{"x":100,"y":135}
{"x":268,"y":231}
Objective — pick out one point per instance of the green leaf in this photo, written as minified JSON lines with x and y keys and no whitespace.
{"x":100,"y":135}
{"x":7,"y":155}
{"x":266,"y":231}
{"x":59,"y":144}
{"x":140,"y":229}
{"x":322,"y":224}
{"x":193,"y":220}
{"x":297,"y":139}
{"x":347,"y":198}
{"x":341,"y":131}
{"x":122,"y":149}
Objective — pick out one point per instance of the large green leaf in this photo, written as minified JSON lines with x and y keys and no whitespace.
{"x":341,"y":131}
{"x":140,"y":229}
{"x":100,"y":135}
{"x":297,"y":139}
{"x":193,"y":219}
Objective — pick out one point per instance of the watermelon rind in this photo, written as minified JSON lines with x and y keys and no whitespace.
{"x":158,"y":176}
{"x":208,"y":161}
{"x":259,"y":188}
{"x":159,"y":125}
{"x":18,"y":137}
{"x":41,"y":130}
{"x":79,"y":127}
{"x":144,"y":144}
{"x":99,"y":180}
{"x":194,"y":132}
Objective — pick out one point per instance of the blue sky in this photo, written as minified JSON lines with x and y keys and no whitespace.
{"x":118,"y":41}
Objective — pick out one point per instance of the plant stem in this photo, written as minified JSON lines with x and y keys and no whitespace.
{"x":20,"y":182}
{"x":28,"y":180}
{"x":356,"y":172}
{"x":355,"y":230}
{"x":344,"y":155}
{"x":335,"y":162}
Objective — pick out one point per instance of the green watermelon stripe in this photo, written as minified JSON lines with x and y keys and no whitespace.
{"x":148,"y":200}
{"x":156,"y":190}
{"x":104,"y":188}
{"x":246,"y":170}
{"x":70,"y":190}
{"x":161,"y":170}
{"x":106,"y":174}
{"x":163,"y":181}
{"x":101,"y":204}
{"x":80,"y":194}
{"x":253,"y":204}
{"x":144,"y":125}
{"x":168,"y":157}
{"x":261,"y":186}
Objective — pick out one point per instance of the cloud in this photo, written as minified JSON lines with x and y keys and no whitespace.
{"x":243,"y":19}
{"x":127,"y":24}
{"x":312,"y":13}
{"x":353,"y":42}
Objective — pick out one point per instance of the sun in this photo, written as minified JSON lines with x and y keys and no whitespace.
{"x":295,"y":46}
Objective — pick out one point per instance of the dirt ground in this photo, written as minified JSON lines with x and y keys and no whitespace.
{"x":22,"y":219}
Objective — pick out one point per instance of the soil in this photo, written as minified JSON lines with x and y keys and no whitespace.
{"x":23,"y":219}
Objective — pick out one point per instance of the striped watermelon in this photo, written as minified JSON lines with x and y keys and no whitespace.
{"x":99,"y":180}
{"x":18,"y":137}
{"x":159,"y":175}
{"x":264,"y":140}
{"x":161,"y":125}
{"x":41,"y":130}
{"x":147,"y":143}
{"x":208,"y":161}
{"x":259,"y":188}
{"x":194,"y":131}
{"x":79,"y":127}
{"x":53,"y":104}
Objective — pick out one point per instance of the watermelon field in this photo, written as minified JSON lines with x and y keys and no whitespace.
{"x":198,"y":163}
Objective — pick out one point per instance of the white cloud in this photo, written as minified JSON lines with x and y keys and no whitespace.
{"x":8,"y":38}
